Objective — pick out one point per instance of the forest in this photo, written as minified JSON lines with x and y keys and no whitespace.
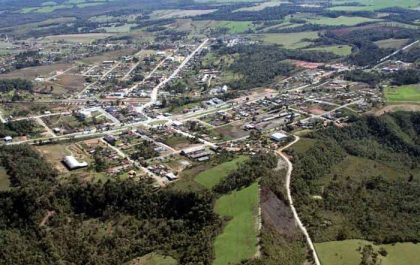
{"x":260,"y":64}
{"x":368,"y":53}
{"x":17,"y":128}
{"x":44,"y":221}
{"x":7,"y":85}
{"x":376,"y":207}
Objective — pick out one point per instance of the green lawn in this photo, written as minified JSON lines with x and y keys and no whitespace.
{"x":239,"y":237}
{"x":214,"y":175}
{"x":288,"y":40}
{"x":153,"y":259}
{"x":409,"y":93}
{"x":341,"y":50}
{"x":341,"y":20}
{"x":4,"y":179}
{"x":236,"y":26}
{"x":391,"y":43}
{"x":345,"y":253}
{"x":370,"y":5}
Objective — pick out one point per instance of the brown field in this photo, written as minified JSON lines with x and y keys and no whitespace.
{"x":232,"y":131}
{"x":69,"y":83}
{"x":108,"y":56}
{"x":31,"y":73}
{"x":397,"y":107}
{"x":391,"y":43}
{"x":82,"y":38}
{"x":277,"y":214}
{"x":306,"y":65}
{"x":178,"y":13}
{"x":55,"y":154}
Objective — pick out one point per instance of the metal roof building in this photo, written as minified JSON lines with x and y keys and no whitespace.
{"x":72,"y":163}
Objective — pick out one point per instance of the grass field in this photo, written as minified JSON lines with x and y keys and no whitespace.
{"x":179,"y":13}
{"x":288,"y":40}
{"x":409,"y":93}
{"x":345,"y":253}
{"x":236,"y":26}
{"x":370,"y":5}
{"x":82,"y":38}
{"x":342,"y":20}
{"x":214,"y":175}
{"x":153,"y":259}
{"x":391,"y":43}
{"x":239,"y":237}
{"x":303,"y":145}
{"x":4,"y":179}
{"x":259,"y":6}
{"x":359,"y":168}
{"x":51,"y":6}
{"x":341,"y":50}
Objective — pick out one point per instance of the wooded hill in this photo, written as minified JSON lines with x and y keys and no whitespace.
{"x":361,"y":181}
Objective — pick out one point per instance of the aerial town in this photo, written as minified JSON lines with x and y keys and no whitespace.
{"x":210,"y":132}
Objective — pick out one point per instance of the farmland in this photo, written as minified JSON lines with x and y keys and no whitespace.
{"x":51,"y":6}
{"x":342,"y":20}
{"x":239,"y":238}
{"x":371,"y":5}
{"x":346,"y":252}
{"x":236,"y":26}
{"x":409,"y":93}
{"x":212,"y":176}
{"x":79,"y":38}
{"x":288,"y":40}
{"x":391,"y":43}
{"x":341,"y":50}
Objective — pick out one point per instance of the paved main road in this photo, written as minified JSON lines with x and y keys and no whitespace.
{"x":155,"y":91}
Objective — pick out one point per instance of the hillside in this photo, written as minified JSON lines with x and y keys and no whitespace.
{"x":359,"y":181}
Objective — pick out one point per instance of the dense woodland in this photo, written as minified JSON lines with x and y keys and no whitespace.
{"x":379,"y":207}
{"x":248,"y":172}
{"x":43,"y":221}
{"x":18,"y":128}
{"x":367,"y":52}
{"x":260,"y":64}
{"x":8,"y":85}
{"x":374,"y":78}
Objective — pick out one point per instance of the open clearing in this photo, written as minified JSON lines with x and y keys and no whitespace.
{"x":409,"y":93}
{"x":82,"y":38}
{"x":179,"y":13}
{"x":261,"y":6}
{"x":341,"y":50}
{"x":238,"y":240}
{"x":345,"y":253}
{"x":214,"y":175}
{"x":288,"y":40}
{"x":391,"y":43}
{"x":4,"y":179}
{"x":153,"y":259}
{"x":341,"y":20}
{"x":31,"y":73}
{"x":370,"y":5}
{"x":236,"y":26}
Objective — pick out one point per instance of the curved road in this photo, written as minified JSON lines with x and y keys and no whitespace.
{"x":289,"y":197}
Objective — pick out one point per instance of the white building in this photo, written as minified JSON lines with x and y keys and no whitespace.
{"x":278,"y":137}
{"x":72,"y":163}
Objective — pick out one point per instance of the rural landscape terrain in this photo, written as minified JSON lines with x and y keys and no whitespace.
{"x":209,"y":132}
